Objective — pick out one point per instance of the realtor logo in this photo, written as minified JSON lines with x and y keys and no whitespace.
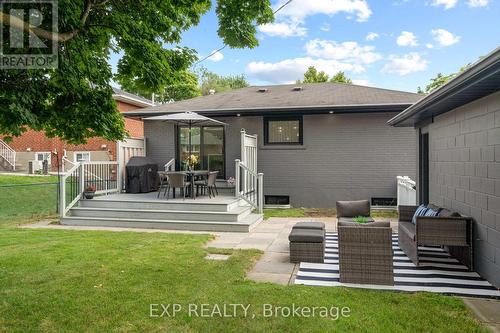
{"x":28,"y":34}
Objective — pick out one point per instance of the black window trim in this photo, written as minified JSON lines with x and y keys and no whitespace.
{"x":283,"y":118}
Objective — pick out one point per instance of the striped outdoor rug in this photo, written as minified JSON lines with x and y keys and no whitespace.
{"x":438,"y":273}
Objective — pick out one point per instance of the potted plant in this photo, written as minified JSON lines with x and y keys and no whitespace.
{"x":361,"y":219}
{"x":89,"y":192}
{"x":192,"y":162}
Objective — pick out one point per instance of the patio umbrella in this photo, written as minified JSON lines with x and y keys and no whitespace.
{"x":187,"y":118}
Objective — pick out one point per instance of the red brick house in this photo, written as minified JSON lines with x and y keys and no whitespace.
{"x":35,"y":145}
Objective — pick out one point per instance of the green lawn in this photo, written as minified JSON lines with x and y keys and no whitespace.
{"x":98,"y":281}
{"x":317,"y":212}
{"x":24,"y":197}
{"x":89,"y":281}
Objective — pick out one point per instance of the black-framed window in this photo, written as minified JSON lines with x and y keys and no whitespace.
{"x":283,"y":130}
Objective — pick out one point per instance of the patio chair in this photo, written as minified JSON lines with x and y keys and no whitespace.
{"x":163,"y":183}
{"x":208,"y":184}
{"x":347,"y":211}
{"x":177,"y":180}
{"x":365,"y":253}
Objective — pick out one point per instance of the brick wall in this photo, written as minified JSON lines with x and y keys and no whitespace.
{"x":464,"y":173}
{"x":37,"y":141}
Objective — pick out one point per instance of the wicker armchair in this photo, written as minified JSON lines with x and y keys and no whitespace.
{"x":365,"y":253}
{"x":447,"y":229}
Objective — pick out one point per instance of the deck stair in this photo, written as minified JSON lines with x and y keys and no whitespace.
{"x":222,"y":213}
{"x":7,"y":157}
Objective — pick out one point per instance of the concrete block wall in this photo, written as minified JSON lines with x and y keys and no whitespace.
{"x":464,"y":173}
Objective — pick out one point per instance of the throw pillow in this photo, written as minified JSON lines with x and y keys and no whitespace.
{"x":421,"y":210}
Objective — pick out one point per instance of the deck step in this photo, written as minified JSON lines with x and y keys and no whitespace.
{"x":234,"y":215}
{"x":245,"y":225}
{"x":186,"y":205}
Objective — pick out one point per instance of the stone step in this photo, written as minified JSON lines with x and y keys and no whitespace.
{"x":234,"y":215}
{"x":245,"y":225}
{"x":186,"y":205}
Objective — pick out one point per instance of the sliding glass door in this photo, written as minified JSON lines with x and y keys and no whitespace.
{"x":207,"y":148}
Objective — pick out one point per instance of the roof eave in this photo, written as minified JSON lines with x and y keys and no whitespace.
{"x":483,"y":69}
{"x":133,"y":101}
{"x":318,"y":109}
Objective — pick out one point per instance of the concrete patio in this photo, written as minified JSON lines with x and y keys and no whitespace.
{"x":271,"y":237}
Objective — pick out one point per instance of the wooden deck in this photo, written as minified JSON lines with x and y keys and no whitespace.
{"x":145,"y":210}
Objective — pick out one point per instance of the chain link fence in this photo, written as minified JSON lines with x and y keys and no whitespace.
{"x":25,"y":201}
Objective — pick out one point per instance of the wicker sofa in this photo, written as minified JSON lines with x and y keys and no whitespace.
{"x":365,"y":253}
{"x":448,"y":229}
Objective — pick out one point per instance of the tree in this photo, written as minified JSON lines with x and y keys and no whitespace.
{"x":183,"y":85}
{"x":341,"y":78}
{"x":74,"y":101}
{"x":220,"y":83}
{"x":439,"y":80}
{"x":313,"y":76}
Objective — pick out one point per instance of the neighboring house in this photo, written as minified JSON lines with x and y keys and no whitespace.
{"x":318,"y":143}
{"x":35,"y":145}
{"x":458,"y":135}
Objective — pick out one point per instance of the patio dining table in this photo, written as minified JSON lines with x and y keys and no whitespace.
{"x":191,"y":175}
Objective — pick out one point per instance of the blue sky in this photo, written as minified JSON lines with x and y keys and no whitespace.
{"x":395,"y":44}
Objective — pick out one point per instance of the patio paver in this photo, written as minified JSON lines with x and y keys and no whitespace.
{"x":487,"y":311}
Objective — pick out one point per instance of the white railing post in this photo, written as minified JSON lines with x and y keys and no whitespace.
{"x":82,"y":176}
{"x":260,"y":195}
{"x":242,"y":143}
{"x":237,"y":178}
{"x":62,"y":196}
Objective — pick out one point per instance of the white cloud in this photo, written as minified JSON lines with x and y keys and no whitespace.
{"x":407,"y":38}
{"x":446,"y":3}
{"x":290,"y":21}
{"x":444,"y":37}
{"x":478,"y":3}
{"x":372,"y":36}
{"x":406,"y":64}
{"x":299,"y":10}
{"x":429,"y":46}
{"x":350,"y":52}
{"x":289,"y":70}
{"x":325,"y":27}
{"x":217,"y":56}
{"x":283,"y":29}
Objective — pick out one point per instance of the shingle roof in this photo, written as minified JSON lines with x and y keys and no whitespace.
{"x":285,"y":96}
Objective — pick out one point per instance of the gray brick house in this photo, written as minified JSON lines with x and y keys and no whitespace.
{"x":318,"y":143}
{"x":458,"y":137}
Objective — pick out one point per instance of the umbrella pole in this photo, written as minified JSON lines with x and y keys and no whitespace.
{"x":190,"y":148}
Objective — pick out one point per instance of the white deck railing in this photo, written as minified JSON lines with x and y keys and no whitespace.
{"x":170,"y":165}
{"x":101,"y":176}
{"x":249,"y":186}
{"x":8,"y":154}
{"x":407,"y":191}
